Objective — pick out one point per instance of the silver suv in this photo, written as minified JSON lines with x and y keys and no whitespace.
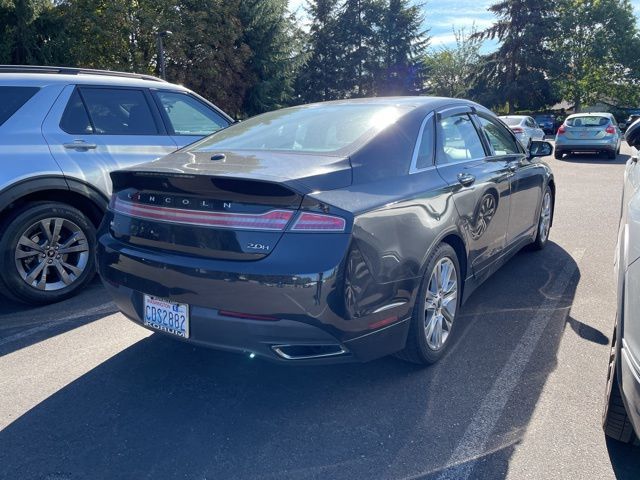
{"x":62,"y":130}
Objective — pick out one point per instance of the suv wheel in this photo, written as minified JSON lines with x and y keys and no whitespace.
{"x":436,"y":307}
{"x":47,"y":253}
{"x":544,"y":222}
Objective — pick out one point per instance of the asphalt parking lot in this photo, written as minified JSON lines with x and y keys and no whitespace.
{"x":87,"y":394}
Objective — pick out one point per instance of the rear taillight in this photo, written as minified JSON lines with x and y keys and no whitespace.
{"x":317,"y":222}
{"x":274,"y":220}
{"x":562,"y":129}
{"x":610,"y":129}
{"x":517,"y":130}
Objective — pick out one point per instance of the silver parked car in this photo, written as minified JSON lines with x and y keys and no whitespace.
{"x":62,"y":131}
{"x":622,"y":407}
{"x":589,"y":132}
{"x":524,"y":127}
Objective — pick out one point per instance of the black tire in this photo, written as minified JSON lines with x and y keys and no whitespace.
{"x":542,"y":240}
{"x":612,"y":155}
{"x":615,"y":420}
{"x":557,"y":155}
{"x":21,"y":222}
{"x":417,"y":349}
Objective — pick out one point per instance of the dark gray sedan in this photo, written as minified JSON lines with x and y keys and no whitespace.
{"x":329,"y":232}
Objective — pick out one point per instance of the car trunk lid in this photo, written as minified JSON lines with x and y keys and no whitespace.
{"x":225,"y":205}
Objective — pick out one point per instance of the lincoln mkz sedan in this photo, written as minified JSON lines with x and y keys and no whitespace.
{"x":329,"y":232}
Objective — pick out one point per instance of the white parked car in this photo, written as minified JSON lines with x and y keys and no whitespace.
{"x":524,"y":127}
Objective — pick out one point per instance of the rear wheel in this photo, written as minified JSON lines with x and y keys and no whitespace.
{"x":435,"y":310}
{"x":544,"y":221}
{"x":557,"y":155}
{"x":47,"y":253}
{"x":615,"y":420}
{"x":612,"y":155}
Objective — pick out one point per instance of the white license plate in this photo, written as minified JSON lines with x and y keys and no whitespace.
{"x":167,"y":316}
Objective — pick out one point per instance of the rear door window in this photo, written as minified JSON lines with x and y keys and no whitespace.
{"x":502,"y":141}
{"x":75,"y":119}
{"x":189,"y":116}
{"x":119,"y":111}
{"x":458,"y":140}
{"x":12,"y":98}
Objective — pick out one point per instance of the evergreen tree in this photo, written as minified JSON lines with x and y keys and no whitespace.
{"x":317,"y":80}
{"x":404,"y":44}
{"x":518,"y":71}
{"x":272,"y":37}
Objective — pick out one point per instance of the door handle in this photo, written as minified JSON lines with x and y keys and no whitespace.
{"x":512,"y":167}
{"x":466,"y":179}
{"x":80,"y":145}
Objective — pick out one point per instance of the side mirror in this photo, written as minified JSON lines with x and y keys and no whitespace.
{"x":632,"y":135}
{"x":539,"y":148}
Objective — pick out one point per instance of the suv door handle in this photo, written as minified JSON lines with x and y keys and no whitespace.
{"x":512,"y":167}
{"x":466,"y":179}
{"x":80,"y":145}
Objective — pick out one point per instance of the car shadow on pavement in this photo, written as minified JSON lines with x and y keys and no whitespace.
{"x":592,"y":158}
{"x":162,"y":409}
{"x":22,"y":325}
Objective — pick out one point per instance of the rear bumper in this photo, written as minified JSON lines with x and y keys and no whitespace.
{"x":630,"y":386}
{"x":309,"y":307}
{"x":590,"y":146}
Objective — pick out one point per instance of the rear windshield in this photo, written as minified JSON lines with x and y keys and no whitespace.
{"x":512,"y":122}
{"x":310,"y":128}
{"x":590,"y":121}
{"x":12,"y":98}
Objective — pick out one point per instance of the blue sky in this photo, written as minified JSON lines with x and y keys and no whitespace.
{"x":441,"y":16}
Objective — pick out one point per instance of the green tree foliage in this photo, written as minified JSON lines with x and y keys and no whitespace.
{"x":363,"y":48}
{"x":451,"y":69}
{"x":598,"y":46}
{"x":30,"y":32}
{"x":517,"y":73}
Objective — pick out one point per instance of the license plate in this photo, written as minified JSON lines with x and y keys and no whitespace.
{"x":167,"y":316}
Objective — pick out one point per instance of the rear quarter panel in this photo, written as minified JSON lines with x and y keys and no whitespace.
{"x":24,"y":153}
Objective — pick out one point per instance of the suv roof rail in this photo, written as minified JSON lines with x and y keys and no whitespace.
{"x":74,"y":71}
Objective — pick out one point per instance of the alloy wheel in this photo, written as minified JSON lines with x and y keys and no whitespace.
{"x":52,"y":254}
{"x":545,"y":217}
{"x":441,"y":303}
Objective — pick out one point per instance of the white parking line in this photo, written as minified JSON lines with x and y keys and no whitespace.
{"x":474,"y":440}
{"x":102,"y":309}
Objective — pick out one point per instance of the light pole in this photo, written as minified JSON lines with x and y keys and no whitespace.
{"x":160,"y":45}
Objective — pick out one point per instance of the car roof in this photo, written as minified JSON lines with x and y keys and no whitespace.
{"x":426,"y":103}
{"x":40,"y":76}
{"x":520,"y":117}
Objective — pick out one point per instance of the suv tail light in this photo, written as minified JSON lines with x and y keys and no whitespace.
{"x":610,"y":130}
{"x":517,"y":130}
{"x":317,"y":222}
{"x":561,"y":129}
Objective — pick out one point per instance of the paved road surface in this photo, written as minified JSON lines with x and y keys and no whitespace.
{"x":85,"y":394}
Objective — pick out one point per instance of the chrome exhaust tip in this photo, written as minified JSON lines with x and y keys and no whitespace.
{"x":308,"y":352}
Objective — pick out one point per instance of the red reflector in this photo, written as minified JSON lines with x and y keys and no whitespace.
{"x":561,"y":129}
{"x":317,"y":222}
{"x":383,"y":322}
{"x":274,"y":220}
{"x":517,"y":130}
{"x":248,"y":316}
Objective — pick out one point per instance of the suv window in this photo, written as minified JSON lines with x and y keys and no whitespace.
{"x":12,"y":98}
{"x":119,"y":111}
{"x":458,"y":140}
{"x":501,"y":140}
{"x":75,"y":119}
{"x":189,"y":116}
